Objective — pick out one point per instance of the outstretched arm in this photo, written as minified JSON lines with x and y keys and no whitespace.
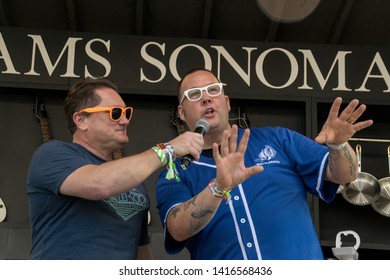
{"x":337,"y":130}
{"x":97,"y":182}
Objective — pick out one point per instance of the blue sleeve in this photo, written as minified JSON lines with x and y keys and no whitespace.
{"x":310,"y":160}
{"x":52,"y":163}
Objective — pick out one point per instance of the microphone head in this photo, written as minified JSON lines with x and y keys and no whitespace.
{"x":202,"y":126}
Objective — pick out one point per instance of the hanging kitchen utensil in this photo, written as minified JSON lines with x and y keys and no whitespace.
{"x":382,"y":203}
{"x":3,"y":211}
{"x":346,"y":253}
{"x":364,"y":189}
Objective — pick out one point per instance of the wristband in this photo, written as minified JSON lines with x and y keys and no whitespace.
{"x":217,"y":192}
{"x":337,"y":147}
{"x":166,"y":154}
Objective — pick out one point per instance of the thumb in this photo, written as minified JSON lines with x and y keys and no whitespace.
{"x":254,"y":170}
{"x":321,"y":137}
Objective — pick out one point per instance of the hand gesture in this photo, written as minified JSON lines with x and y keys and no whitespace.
{"x":231,"y":169}
{"x":338,"y":129}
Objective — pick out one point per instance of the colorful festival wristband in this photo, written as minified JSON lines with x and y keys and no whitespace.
{"x":166,"y":154}
{"x":217,"y":192}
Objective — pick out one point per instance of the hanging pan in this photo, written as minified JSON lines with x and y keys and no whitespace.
{"x":382,"y":203}
{"x":364,"y":189}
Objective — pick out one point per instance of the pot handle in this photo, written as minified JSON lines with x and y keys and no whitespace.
{"x":388,"y":156}
{"x":359,"y":157}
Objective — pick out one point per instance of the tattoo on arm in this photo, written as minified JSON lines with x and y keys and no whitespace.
{"x":334,"y":156}
{"x":352,"y":163}
{"x":200,"y":216}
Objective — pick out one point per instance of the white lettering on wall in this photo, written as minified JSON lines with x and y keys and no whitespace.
{"x":6,"y":58}
{"x":176,"y":52}
{"x":293,"y":66}
{"x":299,"y":69}
{"x":340,"y":60}
{"x":98,"y":58}
{"x":160,"y":66}
{"x":221,"y":51}
{"x":382,"y":69}
{"x":70,"y":45}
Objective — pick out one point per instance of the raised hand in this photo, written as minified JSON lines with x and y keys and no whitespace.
{"x":338,"y":129}
{"x":231,"y":169}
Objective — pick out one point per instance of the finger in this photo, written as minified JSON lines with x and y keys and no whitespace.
{"x":244,"y":141}
{"x":216,"y":155}
{"x":334,"y":109}
{"x":349,"y":110}
{"x":362,"y":125}
{"x":321,"y":137}
{"x":233,"y":139}
{"x":357,"y":114}
{"x":225,"y":144}
{"x":255,"y":169}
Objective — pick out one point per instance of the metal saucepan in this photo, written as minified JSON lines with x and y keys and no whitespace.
{"x":364,"y":189}
{"x":382,"y":203}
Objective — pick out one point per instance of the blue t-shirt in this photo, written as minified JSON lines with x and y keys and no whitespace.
{"x":268,"y":216}
{"x":66,"y":227}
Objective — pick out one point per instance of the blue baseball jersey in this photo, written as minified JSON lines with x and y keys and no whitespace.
{"x":66,"y":227}
{"x":268,"y":216}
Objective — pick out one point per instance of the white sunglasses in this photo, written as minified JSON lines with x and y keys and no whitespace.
{"x":195,"y":94}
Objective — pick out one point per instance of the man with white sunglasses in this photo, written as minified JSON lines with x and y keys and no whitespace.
{"x":85,"y":205}
{"x":246,"y":197}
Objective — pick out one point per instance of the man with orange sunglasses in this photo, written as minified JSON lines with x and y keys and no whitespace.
{"x":83,"y":204}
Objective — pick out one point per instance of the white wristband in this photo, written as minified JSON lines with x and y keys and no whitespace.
{"x":337,"y":147}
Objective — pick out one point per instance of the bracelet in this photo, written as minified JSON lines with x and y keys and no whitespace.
{"x":166,"y":154}
{"x":217,"y":192}
{"x":159,"y":150}
{"x":337,"y":147}
{"x":171,"y":150}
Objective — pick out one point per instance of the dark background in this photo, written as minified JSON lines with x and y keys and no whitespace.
{"x":334,"y":23}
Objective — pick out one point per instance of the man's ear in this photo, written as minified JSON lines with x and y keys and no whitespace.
{"x":181,"y":113}
{"x":227,"y":99}
{"x":79,"y":121}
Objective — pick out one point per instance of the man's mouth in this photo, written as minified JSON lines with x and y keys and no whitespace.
{"x":209,"y":112}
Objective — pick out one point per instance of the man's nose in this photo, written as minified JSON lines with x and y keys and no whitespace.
{"x":205,"y":97}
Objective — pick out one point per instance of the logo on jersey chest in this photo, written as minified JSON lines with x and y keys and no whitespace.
{"x":128,"y":204}
{"x":267,"y":156}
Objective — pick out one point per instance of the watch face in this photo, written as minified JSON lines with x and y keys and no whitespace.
{"x":3,"y":211}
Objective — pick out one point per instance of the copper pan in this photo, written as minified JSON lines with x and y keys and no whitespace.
{"x":364,"y":189}
{"x":382,"y":203}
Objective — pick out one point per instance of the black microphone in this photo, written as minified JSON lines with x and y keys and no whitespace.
{"x":202,"y":126}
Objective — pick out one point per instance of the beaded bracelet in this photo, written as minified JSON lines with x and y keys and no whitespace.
{"x":166,"y":154}
{"x":217,"y":192}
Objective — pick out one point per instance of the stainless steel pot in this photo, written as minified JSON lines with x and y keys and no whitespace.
{"x":364,"y":189}
{"x":382,"y":203}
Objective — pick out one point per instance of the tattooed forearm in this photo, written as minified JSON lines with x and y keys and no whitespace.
{"x":200,"y":213}
{"x":351,"y":161}
{"x":200,"y":217}
{"x":334,"y":156}
{"x":346,"y":153}
{"x":174,"y":211}
{"x":189,"y":203}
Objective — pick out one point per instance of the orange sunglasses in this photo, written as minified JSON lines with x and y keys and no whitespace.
{"x":116,"y":113}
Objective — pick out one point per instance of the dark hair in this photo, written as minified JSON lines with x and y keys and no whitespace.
{"x":83,"y":95}
{"x":193,"y":70}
